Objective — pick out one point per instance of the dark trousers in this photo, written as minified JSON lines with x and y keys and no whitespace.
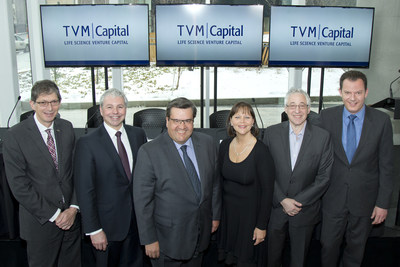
{"x":353,"y":229}
{"x":300,"y":238}
{"x":125,"y":253}
{"x":64,"y":250}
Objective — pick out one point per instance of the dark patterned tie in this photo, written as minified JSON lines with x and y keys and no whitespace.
{"x":52,"y":147}
{"x":123,"y":155}
{"x":351,"y":138}
{"x":191,"y":170}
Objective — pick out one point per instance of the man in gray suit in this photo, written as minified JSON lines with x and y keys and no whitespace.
{"x":303,"y":157}
{"x":38,"y":162}
{"x":177,"y":191}
{"x":362,"y":174}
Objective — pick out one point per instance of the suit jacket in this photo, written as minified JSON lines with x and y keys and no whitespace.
{"x":310,"y":176}
{"x":104,"y":191}
{"x":368,"y":180}
{"x":166,"y":207}
{"x":36,"y":184}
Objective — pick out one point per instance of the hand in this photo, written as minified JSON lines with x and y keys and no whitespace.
{"x":215,"y":225}
{"x":66,"y":218}
{"x":259,"y":236}
{"x":379,"y":215}
{"x":153,"y":250}
{"x":291,"y":207}
{"x":99,"y":241}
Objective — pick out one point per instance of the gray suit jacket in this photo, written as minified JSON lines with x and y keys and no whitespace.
{"x":368,"y":180}
{"x":310,"y":176}
{"x":33,"y":178}
{"x":165,"y":202}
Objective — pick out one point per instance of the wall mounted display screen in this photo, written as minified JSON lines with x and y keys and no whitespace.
{"x":310,"y":36}
{"x":95,"y":35}
{"x":209,"y":35}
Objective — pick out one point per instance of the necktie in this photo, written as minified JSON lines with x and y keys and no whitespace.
{"x":123,"y":155}
{"x":351,"y":138}
{"x":191,"y":170}
{"x":52,"y":147}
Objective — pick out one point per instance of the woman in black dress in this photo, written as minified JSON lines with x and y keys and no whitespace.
{"x":247,"y":172}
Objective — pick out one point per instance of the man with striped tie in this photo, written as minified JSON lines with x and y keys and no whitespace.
{"x":38,"y":160}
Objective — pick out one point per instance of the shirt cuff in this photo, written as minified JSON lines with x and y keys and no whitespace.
{"x":54,"y":217}
{"x":74,"y":206}
{"x":95,"y":232}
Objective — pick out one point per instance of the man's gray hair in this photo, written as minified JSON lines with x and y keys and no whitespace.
{"x":115,"y":93}
{"x":297,"y":91}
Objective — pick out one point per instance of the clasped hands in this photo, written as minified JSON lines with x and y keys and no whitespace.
{"x":291,"y":207}
{"x":66,"y":218}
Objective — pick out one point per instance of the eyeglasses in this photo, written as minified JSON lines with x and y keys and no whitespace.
{"x":186,"y":122}
{"x":44,"y":104}
{"x":300,"y":106}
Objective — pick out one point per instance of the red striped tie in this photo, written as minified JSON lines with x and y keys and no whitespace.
{"x":52,"y":147}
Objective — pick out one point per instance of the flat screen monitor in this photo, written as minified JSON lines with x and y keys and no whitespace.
{"x":209,"y":35}
{"x":311,"y":36}
{"x":95,"y":35}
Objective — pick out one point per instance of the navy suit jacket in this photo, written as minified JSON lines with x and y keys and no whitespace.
{"x":104,"y":191}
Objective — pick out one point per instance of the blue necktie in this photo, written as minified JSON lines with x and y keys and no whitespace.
{"x":191,"y":170}
{"x":351,"y":138}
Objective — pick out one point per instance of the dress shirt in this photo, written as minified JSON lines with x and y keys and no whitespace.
{"x":190,"y":152}
{"x":358,"y":123}
{"x":295,"y":141}
{"x":124,"y":138}
{"x":42,"y":130}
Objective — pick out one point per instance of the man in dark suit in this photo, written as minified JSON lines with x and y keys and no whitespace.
{"x":361,"y":181}
{"x":38,"y":162}
{"x":303,"y":157}
{"x":104,"y":162}
{"x":177,"y":191}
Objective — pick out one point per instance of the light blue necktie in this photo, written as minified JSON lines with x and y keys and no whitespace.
{"x":351,"y":138}
{"x":194,"y":178}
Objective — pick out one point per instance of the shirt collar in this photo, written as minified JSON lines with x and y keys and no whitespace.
{"x":111,"y":131}
{"x":301,"y":132}
{"x":360,"y":115}
{"x":189,"y":143}
{"x":41,"y":127}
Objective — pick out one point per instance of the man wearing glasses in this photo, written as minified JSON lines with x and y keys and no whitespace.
{"x":303,"y":158}
{"x":38,"y":162}
{"x":176,"y":190}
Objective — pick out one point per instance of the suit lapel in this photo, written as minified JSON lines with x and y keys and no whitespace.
{"x":367,"y":124}
{"x":59,"y":144}
{"x":200,"y":157}
{"x":304,"y":144}
{"x":285,"y":142}
{"x":170,"y":146}
{"x":133,"y":145}
{"x":37,"y":140}
{"x":337,"y":121}
{"x":110,"y":150}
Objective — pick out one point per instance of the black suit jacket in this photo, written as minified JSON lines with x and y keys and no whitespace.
{"x":36,"y":184}
{"x":366,"y":182}
{"x":166,"y":207}
{"x":104,"y":191}
{"x":308,"y":180}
